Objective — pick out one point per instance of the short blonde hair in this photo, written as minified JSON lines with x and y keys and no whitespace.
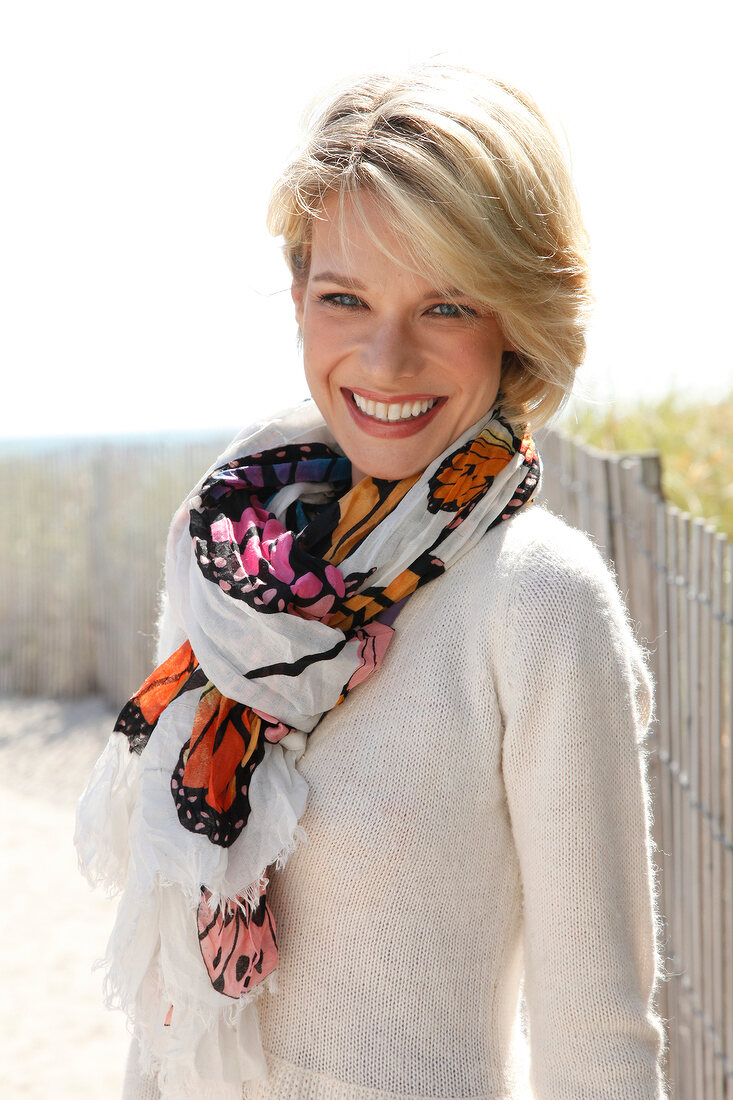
{"x":480,"y":193}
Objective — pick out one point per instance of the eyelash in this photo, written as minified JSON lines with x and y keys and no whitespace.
{"x":333,"y":300}
{"x":461,"y":310}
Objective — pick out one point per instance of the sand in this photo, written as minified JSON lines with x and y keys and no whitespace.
{"x":57,"y":1039}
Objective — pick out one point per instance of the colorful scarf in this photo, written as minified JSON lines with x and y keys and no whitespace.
{"x":284,"y":585}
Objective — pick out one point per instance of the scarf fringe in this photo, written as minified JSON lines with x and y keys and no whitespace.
{"x":213,"y":1043}
{"x":203,"y":1052}
{"x":249,"y":898}
{"x":102,"y":832}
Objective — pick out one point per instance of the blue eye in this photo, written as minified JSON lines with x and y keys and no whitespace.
{"x":348,"y":301}
{"x":451,"y":309}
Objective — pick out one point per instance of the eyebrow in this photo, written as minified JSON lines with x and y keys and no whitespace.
{"x":335,"y":277}
{"x":451,"y":293}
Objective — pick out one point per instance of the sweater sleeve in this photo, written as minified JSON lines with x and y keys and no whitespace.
{"x":576,"y":705}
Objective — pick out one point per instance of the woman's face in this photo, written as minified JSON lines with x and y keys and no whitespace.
{"x":398,"y":366}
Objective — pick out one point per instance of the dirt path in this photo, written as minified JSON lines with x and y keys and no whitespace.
{"x":58,"y":1042}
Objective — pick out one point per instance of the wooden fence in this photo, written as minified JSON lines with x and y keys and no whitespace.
{"x":80,"y":556}
{"x":677,"y":576}
{"x":81,"y":561}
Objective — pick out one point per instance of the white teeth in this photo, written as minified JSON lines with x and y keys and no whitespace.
{"x":388,"y":413}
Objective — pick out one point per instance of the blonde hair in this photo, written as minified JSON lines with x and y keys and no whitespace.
{"x":479,"y":192}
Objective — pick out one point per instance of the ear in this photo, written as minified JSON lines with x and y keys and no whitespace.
{"x":297,"y":291}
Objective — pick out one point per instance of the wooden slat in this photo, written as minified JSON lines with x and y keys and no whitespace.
{"x":727,"y":747}
{"x":618,"y":550}
{"x":582,"y":462}
{"x":646,"y":576}
{"x":601,"y":489}
{"x":691,"y":753}
{"x":570,"y":485}
{"x":649,"y":481}
{"x":683,"y":1031}
{"x":565,"y":452}
{"x":637,"y":507}
{"x":596,"y":516}
{"x":551,"y":490}
{"x":717,"y":945}
{"x":668,"y":1007}
{"x":705,"y":686}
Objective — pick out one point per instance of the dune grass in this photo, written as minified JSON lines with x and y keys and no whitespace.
{"x":694,"y":440}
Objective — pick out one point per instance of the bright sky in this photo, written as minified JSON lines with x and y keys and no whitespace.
{"x":140,"y":290}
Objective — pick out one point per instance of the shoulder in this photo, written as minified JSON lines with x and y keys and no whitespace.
{"x":550,"y":565}
{"x":536,"y":560}
{"x":558,"y":579}
{"x":534,"y":576}
{"x":553,"y":605}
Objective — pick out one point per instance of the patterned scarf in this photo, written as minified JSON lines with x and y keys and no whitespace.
{"x":284,"y":584}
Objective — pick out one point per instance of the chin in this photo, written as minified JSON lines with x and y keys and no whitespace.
{"x":387,"y":472}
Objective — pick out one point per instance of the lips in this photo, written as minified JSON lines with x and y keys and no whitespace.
{"x":395,"y":419}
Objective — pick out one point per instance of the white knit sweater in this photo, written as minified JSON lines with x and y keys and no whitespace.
{"x":477,"y":812}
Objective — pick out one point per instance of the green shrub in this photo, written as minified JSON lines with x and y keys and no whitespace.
{"x":694,"y":440}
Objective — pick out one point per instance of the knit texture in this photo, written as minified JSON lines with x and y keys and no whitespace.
{"x":477,"y":811}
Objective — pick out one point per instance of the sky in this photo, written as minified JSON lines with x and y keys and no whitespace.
{"x":140,"y":291}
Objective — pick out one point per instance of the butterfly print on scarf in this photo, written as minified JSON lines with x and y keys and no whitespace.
{"x":298,"y":568}
{"x":238,"y":944}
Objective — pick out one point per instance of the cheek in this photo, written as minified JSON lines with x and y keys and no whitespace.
{"x":479,"y":366}
{"x":323,"y":356}
{"x":312,"y":356}
{"x":312,"y":377}
{"x":317,"y":376}
{"x":482,"y":381}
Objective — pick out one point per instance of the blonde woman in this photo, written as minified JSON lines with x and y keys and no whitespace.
{"x":389,"y":768}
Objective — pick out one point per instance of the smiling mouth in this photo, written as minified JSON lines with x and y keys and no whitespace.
{"x":393,"y":412}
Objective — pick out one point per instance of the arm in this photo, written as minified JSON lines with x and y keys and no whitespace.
{"x":577,"y":703}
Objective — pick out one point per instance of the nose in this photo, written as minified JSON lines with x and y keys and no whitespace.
{"x":391,"y":351}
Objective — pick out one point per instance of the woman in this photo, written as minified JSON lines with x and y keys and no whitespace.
{"x":364,"y":588}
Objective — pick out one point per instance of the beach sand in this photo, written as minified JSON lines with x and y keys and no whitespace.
{"x":57,"y":1039}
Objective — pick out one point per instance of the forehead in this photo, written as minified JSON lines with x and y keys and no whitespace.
{"x":357,"y":234}
{"x":354,"y":223}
